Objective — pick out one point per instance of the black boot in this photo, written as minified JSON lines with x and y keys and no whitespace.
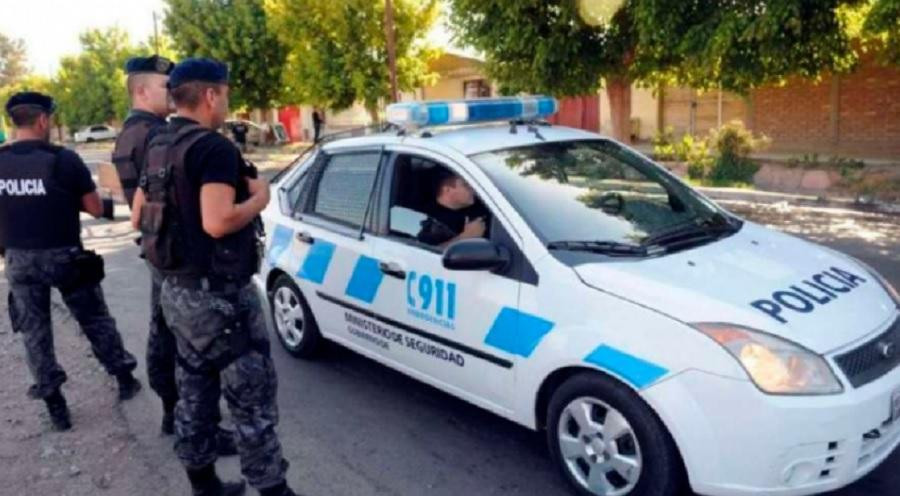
{"x":226,"y":444}
{"x":279,"y":490}
{"x":205,"y":482}
{"x":128,"y":386}
{"x":168,"y":420}
{"x":59,"y":411}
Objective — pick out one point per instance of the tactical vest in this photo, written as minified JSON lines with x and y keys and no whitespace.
{"x":128,"y":155}
{"x":36,"y":211}
{"x":166,"y":224}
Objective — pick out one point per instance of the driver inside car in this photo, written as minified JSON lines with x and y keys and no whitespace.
{"x":456,"y":213}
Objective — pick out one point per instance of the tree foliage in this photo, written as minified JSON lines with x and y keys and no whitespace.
{"x":12,"y":60}
{"x":883,"y":24}
{"x":338,"y":52}
{"x":90,"y":87}
{"x":235,"y":32}
{"x":544,"y":46}
{"x":549,"y":46}
{"x":738,"y":45}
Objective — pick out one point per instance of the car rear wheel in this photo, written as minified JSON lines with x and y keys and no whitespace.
{"x":89,"y":140}
{"x":294,"y":322}
{"x":607,"y":442}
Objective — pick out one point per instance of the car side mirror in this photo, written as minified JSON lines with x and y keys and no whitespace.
{"x":476,"y":254}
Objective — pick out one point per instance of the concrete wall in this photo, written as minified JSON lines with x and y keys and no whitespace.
{"x":644,"y":108}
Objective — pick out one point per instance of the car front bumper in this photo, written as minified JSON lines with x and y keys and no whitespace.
{"x":736,"y":440}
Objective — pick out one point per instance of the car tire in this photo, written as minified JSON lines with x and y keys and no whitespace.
{"x":641,"y":460}
{"x":294,"y":322}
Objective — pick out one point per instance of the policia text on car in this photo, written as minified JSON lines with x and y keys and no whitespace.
{"x":43,"y":188}
{"x":150,"y":104}
{"x":195,"y":210}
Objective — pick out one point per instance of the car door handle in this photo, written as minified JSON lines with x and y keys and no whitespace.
{"x":305,"y":237}
{"x":392,"y":269}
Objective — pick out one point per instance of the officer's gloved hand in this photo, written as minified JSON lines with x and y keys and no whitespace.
{"x":108,"y":208}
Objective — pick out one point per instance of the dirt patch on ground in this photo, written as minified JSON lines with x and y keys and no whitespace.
{"x":98,"y":456}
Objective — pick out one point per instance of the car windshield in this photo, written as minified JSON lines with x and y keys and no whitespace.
{"x":596,"y":195}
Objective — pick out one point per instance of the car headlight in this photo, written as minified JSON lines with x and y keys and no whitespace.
{"x":775,"y":365}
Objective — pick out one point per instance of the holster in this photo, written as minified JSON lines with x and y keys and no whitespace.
{"x":87,"y":269}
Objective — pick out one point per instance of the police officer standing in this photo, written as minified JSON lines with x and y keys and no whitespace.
{"x":42,"y":190}
{"x":195,"y":210}
{"x":150,"y":105}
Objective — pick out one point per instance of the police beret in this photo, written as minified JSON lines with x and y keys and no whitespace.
{"x":31,"y":98}
{"x":154,"y":64}
{"x":198,"y":69}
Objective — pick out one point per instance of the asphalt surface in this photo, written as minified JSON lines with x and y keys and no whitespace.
{"x":350,"y":426}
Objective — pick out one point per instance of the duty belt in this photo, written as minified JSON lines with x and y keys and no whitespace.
{"x":206,"y":283}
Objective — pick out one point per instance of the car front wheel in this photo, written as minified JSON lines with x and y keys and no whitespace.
{"x":294,"y":322}
{"x":607,"y":442}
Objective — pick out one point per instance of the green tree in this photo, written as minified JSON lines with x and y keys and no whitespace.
{"x":883,"y":24}
{"x":12,"y":60}
{"x":235,"y":32}
{"x":90,"y":86}
{"x":338,"y":50}
{"x":563,"y":47}
{"x":741,"y":45}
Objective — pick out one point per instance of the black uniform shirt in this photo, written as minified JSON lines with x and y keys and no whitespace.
{"x":444,"y":224}
{"x":213,"y":159}
{"x":41,"y":187}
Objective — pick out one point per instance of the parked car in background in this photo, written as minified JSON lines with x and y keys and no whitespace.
{"x":256,"y":134}
{"x":95,"y":133}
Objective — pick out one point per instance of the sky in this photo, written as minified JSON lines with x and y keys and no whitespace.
{"x":50,"y":28}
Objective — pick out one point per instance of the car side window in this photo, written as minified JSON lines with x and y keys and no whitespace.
{"x":345,"y":187}
{"x":98,"y":128}
{"x":413,"y":198}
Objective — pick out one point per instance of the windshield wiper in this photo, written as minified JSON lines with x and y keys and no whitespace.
{"x":611,"y":248}
{"x":696,"y":230}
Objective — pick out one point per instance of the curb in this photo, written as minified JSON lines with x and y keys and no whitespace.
{"x":766,"y":197}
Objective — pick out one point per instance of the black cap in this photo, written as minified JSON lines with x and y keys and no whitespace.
{"x":154,"y":65}
{"x":33,"y":99}
{"x":198,"y":69}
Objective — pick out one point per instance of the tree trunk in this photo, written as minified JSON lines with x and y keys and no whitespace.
{"x":373,"y":113}
{"x":618,"y":89}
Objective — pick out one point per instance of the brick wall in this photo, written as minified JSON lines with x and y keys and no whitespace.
{"x":854,"y":114}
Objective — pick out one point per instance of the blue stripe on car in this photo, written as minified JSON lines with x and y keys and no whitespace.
{"x":317,"y":261}
{"x":640,"y":373}
{"x":516,"y":332}
{"x":365,"y":280}
{"x":281,"y":240}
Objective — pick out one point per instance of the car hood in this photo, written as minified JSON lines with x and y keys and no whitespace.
{"x":758,"y":278}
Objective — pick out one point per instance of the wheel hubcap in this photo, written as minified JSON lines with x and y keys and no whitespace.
{"x":599,"y":447}
{"x":288,"y":315}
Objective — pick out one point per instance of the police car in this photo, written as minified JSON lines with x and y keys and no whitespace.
{"x":653,"y":335}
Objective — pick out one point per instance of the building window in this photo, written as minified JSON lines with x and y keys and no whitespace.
{"x":478,"y":88}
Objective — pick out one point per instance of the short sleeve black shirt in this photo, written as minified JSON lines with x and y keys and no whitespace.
{"x":33,"y":217}
{"x":444,"y":224}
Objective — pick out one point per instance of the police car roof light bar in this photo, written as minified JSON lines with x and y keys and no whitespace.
{"x":437,"y":113}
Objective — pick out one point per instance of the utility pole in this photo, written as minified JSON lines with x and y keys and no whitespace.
{"x":391,"y":48}
{"x":155,"y":34}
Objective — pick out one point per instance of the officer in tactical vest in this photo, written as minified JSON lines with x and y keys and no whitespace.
{"x":195,"y":210}
{"x":42,"y":190}
{"x":150,"y":104}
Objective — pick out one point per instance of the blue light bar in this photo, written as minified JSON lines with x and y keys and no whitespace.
{"x":420,"y":114}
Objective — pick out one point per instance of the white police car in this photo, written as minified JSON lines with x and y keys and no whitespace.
{"x":651,"y":333}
